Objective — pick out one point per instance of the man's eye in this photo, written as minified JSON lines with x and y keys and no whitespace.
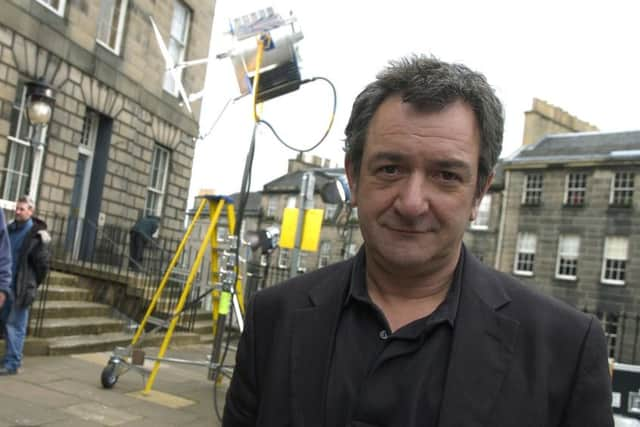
{"x":389,"y":170}
{"x":449,"y":176}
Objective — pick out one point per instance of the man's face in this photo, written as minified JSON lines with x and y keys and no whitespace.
{"x":23,"y":212}
{"x":416,"y":188}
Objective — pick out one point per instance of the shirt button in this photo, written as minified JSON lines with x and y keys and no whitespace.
{"x":383,"y":335}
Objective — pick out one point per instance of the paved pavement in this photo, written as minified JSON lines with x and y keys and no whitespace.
{"x":66,"y":391}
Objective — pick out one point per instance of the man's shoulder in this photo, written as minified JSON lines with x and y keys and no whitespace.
{"x":526,"y":302}
{"x":299,"y":291}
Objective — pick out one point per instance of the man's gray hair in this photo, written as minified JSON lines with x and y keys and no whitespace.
{"x":429,"y":84}
{"x":28,"y":200}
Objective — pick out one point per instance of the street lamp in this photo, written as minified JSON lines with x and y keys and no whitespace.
{"x":39,"y":107}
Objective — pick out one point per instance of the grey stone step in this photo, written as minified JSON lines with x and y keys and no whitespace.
{"x":64,"y":309}
{"x":66,"y":293}
{"x":108,"y":342}
{"x":203,"y":315}
{"x":203,"y":327}
{"x":56,"y":278}
{"x":79,"y":326}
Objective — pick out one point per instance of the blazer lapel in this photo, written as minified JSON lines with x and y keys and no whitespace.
{"x":481,"y":352}
{"x":312,"y":348}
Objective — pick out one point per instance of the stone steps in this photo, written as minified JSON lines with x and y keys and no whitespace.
{"x":75,"y":308}
{"x":72,"y":323}
{"x":66,"y":293}
{"x":62,"y":327}
{"x":109,"y":341}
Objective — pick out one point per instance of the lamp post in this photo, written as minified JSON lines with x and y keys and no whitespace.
{"x":39,"y":108}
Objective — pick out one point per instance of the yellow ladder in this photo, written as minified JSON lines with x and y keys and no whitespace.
{"x":221,"y":300}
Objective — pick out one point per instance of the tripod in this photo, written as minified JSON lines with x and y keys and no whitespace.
{"x":228,"y":295}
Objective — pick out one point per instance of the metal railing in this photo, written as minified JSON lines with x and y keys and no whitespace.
{"x":81,"y":247}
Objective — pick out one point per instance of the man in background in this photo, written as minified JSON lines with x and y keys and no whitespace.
{"x":5,"y":264}
{"x":142,"y":233}
{"x":29,"y":240}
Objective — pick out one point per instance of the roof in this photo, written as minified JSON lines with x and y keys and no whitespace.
{"x":290,"y":183}
{"x":252,"y":208}
{"x":580,"y":147}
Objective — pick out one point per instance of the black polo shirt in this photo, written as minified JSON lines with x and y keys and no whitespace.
{"x":379,"y":378}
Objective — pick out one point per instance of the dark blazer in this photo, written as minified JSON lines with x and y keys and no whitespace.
{"x":517,"y":358}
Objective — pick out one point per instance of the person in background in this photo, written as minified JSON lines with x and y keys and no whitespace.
{"x":5,"y":265}
{"x":29,"y":240}
{"x":414,"y":330}
{"x":142,"y":232}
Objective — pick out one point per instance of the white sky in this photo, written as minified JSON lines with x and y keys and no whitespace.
{"x":581,"y":56}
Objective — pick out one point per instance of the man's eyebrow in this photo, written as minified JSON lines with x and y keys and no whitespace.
{"x":388,"y":156}
{"x":452,"y":164}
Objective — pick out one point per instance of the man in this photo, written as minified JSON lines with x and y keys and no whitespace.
{"x":30,"y":252}
{"x":5,"y":264}
{"x":146,"y":228}
{"x":414,"y":331}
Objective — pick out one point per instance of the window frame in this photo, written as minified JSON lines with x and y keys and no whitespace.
{"x":120,"y":26}
{"x":58,"y":11}
{"x":626,"y":191}
{"x":604,"y":270}
{"x":272,"y":207}
{"x":171,"y":87}
{"x":610,"y":324}
{"x":159,"y":192}
{"x":324,"y":253}
{"x":484,"y":213}
{"x":284,"y":258}
{"x":21,"y":134}
{"x":517,"y":262}
{"x":532,"y":195}
{"x":572,"y":189}
{"x":571,"y":257}
{"x":329,"y":213}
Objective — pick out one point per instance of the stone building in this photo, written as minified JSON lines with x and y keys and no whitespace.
{"x":570,"y":224}
{"x":562,"y":217}
{"x":340,"y":236}
{"x":119,"y":143}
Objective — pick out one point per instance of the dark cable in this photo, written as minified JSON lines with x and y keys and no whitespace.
{"x":333,"y":114}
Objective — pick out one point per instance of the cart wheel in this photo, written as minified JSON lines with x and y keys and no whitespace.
{"x":108,"y":377}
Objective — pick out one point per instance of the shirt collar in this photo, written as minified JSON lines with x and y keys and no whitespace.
{"x":448,"y":309}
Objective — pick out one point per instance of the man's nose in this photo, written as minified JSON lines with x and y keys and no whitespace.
{"x":412,"y":199}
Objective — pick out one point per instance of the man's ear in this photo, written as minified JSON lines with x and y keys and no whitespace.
{"x":478,"y":198}
{"x":352,"y":178}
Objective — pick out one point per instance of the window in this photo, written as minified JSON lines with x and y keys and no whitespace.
{"x":157,"y":181}
{"x":482,"y":219}
{"x":622,"y":189}
{"x":567,"y":261}
{"x":324,"y":254}
{"x":284,"y":258}
{"x":111,"y":23}
{"x":56,"y":6}
{"x":18,"y":177}
{"x":302,"y":262}
{"x":291,"y":201}
{"x":330,"y":212}
{"x":576,"y":189}
{"x":614,"y":262}
{"x":177,"y":42}
{"x":609,"y":323}
{"x":532,"y":194}
{"x":525,"y":254}
{"x":272,"y":207}
{"x":351,"y":250}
